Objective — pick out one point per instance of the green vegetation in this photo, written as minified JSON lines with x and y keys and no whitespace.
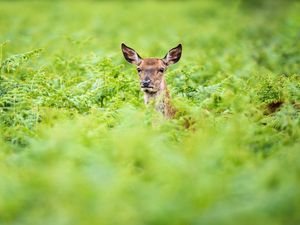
{"x":78,"y":146}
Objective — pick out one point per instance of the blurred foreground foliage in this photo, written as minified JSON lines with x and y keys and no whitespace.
{"x":78,"y":146}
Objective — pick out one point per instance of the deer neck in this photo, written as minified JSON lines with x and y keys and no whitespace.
{"x":161,"y":100}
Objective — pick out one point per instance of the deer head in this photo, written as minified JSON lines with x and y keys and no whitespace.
{"x":151,"y":73}
{"x":151,"y":70}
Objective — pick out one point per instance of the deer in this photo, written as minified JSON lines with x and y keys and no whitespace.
{"x":151,"y":75}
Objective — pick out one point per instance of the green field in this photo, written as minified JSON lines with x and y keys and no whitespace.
{"x":79,"y":147}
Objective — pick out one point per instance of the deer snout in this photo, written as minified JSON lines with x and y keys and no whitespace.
{"x":145,"y":83}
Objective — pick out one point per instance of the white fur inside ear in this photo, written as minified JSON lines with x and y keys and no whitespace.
{"x":173,"y":55}
{"x":171,"y":58}
{"x":130,"y":55}
{"x":168,"y":58}
{"x":136,"y":58}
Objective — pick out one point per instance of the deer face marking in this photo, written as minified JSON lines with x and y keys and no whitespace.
{"x":151,"y":70}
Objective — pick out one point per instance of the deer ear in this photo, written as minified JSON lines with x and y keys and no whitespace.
{"x":130,"y":55}
{"x":173,"y":55}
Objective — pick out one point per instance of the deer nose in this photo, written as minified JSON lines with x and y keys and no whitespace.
{"x":145,"y":83}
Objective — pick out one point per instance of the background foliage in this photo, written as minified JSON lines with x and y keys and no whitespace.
{"x":78,"y":146}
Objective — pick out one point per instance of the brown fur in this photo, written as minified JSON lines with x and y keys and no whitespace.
{"x":151,"y":71}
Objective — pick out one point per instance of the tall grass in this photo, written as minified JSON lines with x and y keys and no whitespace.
{"x":78,"y":146}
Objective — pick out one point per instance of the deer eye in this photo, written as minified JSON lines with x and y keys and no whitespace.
{"x":139,"y":70}
{"x":161,"y":70}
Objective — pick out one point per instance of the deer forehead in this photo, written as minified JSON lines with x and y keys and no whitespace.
{"x":151,"y":63}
